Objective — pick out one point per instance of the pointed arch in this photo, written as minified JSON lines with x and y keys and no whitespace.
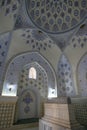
{"x":17,"y":64}
{"x":65,"y":79}
{"x":40,"y":84}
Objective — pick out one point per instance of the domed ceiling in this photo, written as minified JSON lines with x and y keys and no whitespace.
{"x":56,"y":16}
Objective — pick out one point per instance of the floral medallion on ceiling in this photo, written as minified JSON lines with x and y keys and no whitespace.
{"x":56,"y":16}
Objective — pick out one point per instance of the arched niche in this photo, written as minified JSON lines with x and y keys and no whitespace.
{"x":28,"y":105}
{"x":39,"y":83}
{"x":15,"y":66}
{"x":65,"y":79}
{"x":82,"y":76}
{"x":36,"y":87}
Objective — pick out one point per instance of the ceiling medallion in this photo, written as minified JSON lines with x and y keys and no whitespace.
{"x":56,"y":16}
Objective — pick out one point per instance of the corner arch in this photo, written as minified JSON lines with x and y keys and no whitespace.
{"x":81,"y":75}
{"x":17,"y":64}
{"x":65,"y":83}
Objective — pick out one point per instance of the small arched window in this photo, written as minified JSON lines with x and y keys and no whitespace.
{"x":32,"y":73}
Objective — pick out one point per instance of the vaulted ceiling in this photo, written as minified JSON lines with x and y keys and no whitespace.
{"x":59,"y":20}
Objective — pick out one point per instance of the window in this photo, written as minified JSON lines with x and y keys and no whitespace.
{"x":32,"y":73}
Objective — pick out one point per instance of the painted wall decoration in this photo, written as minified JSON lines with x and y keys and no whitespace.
{"x":24,"y":41}
{"x":79,"y":41}
{"x":15,"y":67}
{"x":56,"y":16}
{"x":22,"y":18}
{"x":34,"y":39}
{"x":27,"y":105}
{"x":40,"y":83}
{"x":27,"y":100}
{"x":82,"y":76}
{"x":8,"y":12}
{"x":65,"y":80}
{"x":25,"y":85}
{"x":4,"y":45}
{"x":83,"y":29}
